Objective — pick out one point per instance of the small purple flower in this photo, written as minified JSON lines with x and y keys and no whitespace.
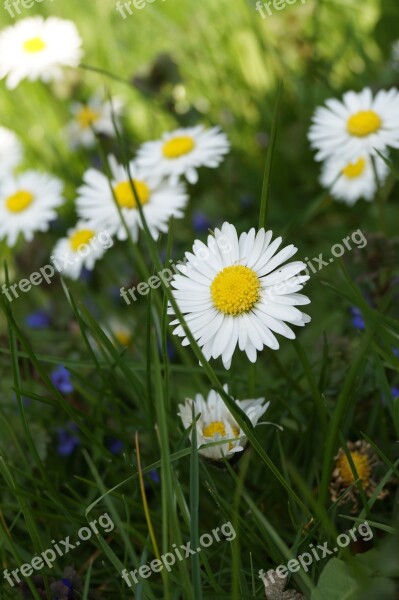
{"x":85,"y":275}
{"x":357,"y":318}
{"x":396,"y":352}
{"x":67,"y":439}
{"x":38,"y":320}
{"x":114,"y":445}
{"x":154,"y":476}
{"x":61,"y":379}
{"x":395,"y":392}
{"x":201,"y":223}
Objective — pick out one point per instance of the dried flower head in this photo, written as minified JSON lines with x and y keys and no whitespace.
{"x":343,"y":476}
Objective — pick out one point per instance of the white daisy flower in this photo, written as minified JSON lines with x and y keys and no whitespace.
{"x":351,"y":180}
{"x":10,"y":151}
{"x":181,"y":152}
{"x":216,"y":423}
{"x":95,"y":116}
{"x":234,"y":291}
{"x":358,"y":125}
{"x":96,"y":201}
{"x":82,"y":248}
{"x":37,"y":48}
{"x":27,"y":204}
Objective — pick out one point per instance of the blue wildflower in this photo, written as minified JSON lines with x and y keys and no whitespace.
{"x":154,"y":475}
{"x":357,"y":318}
{"x":61,"y":379}
{"x":67,"y":439}
{"x":38,"y":320}
{"x":201,"y":223}
{"x":114,"y":445}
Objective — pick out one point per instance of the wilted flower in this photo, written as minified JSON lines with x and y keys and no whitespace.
{"x":343,"y":477}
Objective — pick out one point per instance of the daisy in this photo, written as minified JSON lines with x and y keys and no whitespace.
{"x":182,"y":152}
{"x":235,"y":291}
{"x":216,"y":423}
{"x":37,"y":48}
{"x":95,"y":116}
{"x":97,"y":202}
{"x":27,"y":204}
{"x":358,"y":125}
{"x":343,"y":477}
{"x":10,"y":151}
{"x":82,"y":247}
{"x":351,"y":180}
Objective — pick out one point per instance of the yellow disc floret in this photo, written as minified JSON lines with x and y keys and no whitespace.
{"x":213,"y":428}
{"x":19,"y":201}
{"x":235,"y":290}
{"x":363,"y":123}
{"x":355,"y":169}
{"x":362,"y":465}
{"x":125,"y":196}
{"x":80,"y":238}
{"x":34,"y":45}
{"x":87,"y":117}
{"x":178,"y":146}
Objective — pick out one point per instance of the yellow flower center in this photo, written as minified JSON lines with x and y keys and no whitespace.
{"x":362,"y":465}
{"x":178,"y":146}
{"x":123,"y":337}
{"x":213,"y":428}
{"x":125,"y":196}
{"x":34,"y":45}
{"x":353,"y":170}
{"x":235,"y":290}
{"x":363,"y":123}
{"x":80,"y":238}
{"x":87,"y":116}
{"x":19,"y":201}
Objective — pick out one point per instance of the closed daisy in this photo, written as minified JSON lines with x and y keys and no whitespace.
{"x":98,"y":203}
{"x":27,"y":204}
{"x":10,"y":151}
{"x":81,"y":248}
{"x":237,"y":292}
{"x":358,"y":125}
{"x":180,"y":153}
{"x":95,"y":116}
{"x":216,"y":423}
{"x":37,"y":48}
{"x":351,"y":180}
